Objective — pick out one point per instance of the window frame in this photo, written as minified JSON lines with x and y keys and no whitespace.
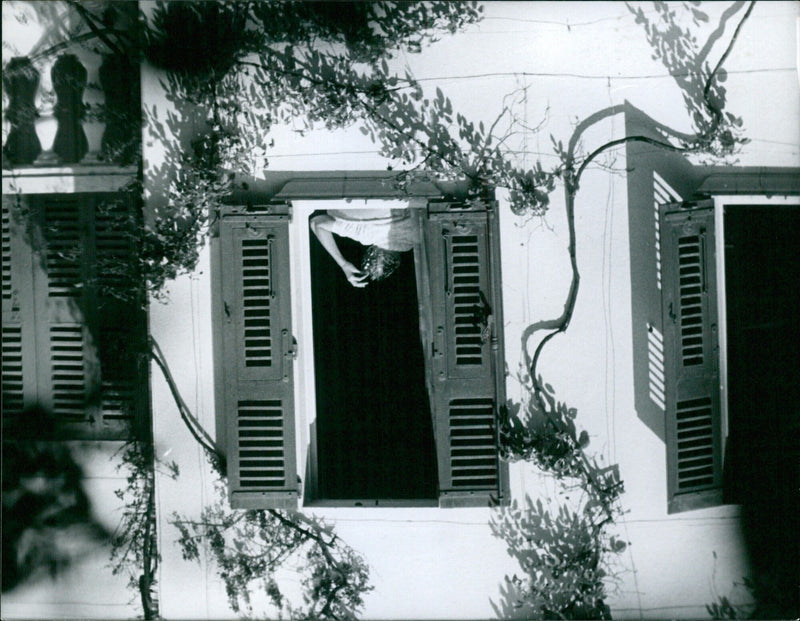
{"x":283,"y":189}
{"x":305,"y":377}
{"x":721,"y":202}
{"x":715,"y":209}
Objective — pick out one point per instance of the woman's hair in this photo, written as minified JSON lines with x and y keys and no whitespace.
{"x":379,"y":263}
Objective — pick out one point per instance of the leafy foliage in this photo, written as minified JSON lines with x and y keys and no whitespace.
{"x":723,"y":609}
{"x":252,"y":66}
{"x":172,"y":237}
{"x":134,"y":543}
{"x":47,"y":515}
{"x":717,"y":133}
{"x":545,"y":438}
{"x":297,"y":66}
{"x":542,"y":430}
{"x":562,"y":558}
{"x":249,"y":548}
{"x":216,"y":35}
{"x":562,"y":549}
{"x":248,"y":66}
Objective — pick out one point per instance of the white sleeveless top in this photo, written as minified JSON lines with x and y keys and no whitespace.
{"x":390,"y":229}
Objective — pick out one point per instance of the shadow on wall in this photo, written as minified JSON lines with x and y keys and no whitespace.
{"x":563,"y":544}
{"x":46,"y":513}
{"x":182,"y":187}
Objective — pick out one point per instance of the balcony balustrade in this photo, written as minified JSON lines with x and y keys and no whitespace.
{"x":72,"y":124}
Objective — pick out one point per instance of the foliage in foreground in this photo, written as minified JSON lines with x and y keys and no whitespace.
{"x":134,"y":543}
{"x":251,"y":547}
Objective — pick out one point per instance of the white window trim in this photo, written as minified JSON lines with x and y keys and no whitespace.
{"x":720,"y":203}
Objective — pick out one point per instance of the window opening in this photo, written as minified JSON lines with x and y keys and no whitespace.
{"x":762,"y":269}
{"x":417,"y":423}
{"x":374,"y":433}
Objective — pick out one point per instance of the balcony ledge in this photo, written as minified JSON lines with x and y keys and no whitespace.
{"x":66,"y":179}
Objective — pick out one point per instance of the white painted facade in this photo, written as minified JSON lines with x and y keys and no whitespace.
{"x":431,"y":563}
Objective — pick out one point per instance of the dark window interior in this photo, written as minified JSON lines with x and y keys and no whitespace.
{"x":374,"y":430}
{"x":762,"y":273}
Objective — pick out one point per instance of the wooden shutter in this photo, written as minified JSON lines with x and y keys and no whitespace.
{"x":121,"y":322}
{"x":18,"y":337}
{"x":255,"y":383}
{"x":69,"y":370}
{"x":57,"y":325}
{"x":466,"y":359}
{"x":689,"y":300}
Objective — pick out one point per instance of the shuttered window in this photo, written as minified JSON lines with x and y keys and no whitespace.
{"x":458,"y":281}
{"x":466,"y":360}
{"x":254,"y":345}
{"x":72,"y":346}
{"x":691,"y":344}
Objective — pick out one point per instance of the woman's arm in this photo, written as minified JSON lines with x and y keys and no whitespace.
{"x":321,"y":227}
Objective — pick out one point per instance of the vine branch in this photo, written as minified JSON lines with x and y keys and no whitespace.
{"x":571,"y":186}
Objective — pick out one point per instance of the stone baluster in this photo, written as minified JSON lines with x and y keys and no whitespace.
{"x":21,"y":80}
{"x":69,"y":78}
{"x":119,"y":79}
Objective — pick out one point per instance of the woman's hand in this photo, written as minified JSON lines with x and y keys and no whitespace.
{"x":354,"y":276}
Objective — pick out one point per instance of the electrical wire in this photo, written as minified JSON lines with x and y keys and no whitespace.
{"x":589,"y":76}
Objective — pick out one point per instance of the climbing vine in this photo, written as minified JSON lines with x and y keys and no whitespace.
{"x":565,"y":551}
{"x":250,"y":548}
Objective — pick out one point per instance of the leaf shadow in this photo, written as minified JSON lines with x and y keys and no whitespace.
{"x":48,"y":522}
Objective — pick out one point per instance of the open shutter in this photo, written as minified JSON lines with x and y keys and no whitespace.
{"x":465,"y":350}
{"x":18,"y":337}
{"x":255,"y":392}
{"x":121,"y":323}
{"x":69,"y":369}
{"x":56,"y":327}
{"x":689,"y":299}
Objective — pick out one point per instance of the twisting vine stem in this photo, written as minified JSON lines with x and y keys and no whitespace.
{"x":571,"y":187}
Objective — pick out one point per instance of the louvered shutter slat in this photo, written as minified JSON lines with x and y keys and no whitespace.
{"x":65,"y":245}
{"x":693,"y":417}
{"x":6,"y":246}
{"x":16,"y":379}
{"x":13,"y":385}
{"x":255,"y":377}
{"x":121,"y":322}
{"x":56,"y":315}
{"x":465,"y":353}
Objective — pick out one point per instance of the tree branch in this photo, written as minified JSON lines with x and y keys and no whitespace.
{"x":199,"y":434}
{"x":714,"y":36}
{"x":324,"y":545}
{"x":561,"y":323}
{"x":98,"y":32}
{"x":572,"y":185}
{"x":729,"y":48}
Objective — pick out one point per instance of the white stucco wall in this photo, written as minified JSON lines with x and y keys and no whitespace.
{"x":432,"y":563}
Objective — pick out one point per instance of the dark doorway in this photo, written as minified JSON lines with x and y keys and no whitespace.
{"x":762,"y":273}
{"x":374,"y":430}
